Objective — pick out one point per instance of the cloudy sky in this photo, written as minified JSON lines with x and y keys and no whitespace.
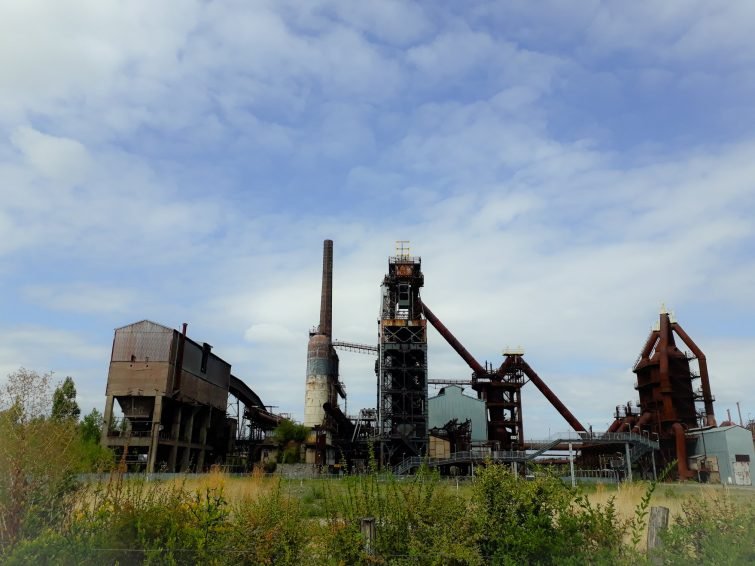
{"x":563,"y":168}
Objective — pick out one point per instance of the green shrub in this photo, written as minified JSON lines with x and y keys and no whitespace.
{"x":541,"y":521}
{"x":291,"y":453}
{"x":711,"y":532}
{"x":134,"y":522}
{"x":266,"y":530}
{"x":416,"y":522}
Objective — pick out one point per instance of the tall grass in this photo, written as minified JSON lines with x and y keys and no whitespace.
{"x":217,"y":519}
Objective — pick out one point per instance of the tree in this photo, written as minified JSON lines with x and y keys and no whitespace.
{"x":91,"y":427}
{"x":37,"y":454}
{"x":288,"y":431}
{"x":289,"y":436}
{"x":64,"y":405}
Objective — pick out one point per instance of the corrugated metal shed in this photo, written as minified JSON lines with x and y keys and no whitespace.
{"x":451,"y":403}
{"x":724,"y":454}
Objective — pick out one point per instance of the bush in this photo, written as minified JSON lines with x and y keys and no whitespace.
{"x":38,"y":456}
{"x":266,"y":530}
{"x":711,"y":532}
{"x":131,"y":523}
{"x":541,"y":521}
{"x":417,"y":522}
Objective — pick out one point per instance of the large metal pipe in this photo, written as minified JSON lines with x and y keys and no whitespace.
{"x":644,"y":419}
{"x":326,"y":297}
{"x":663,"y":367}
{"x":453,"y":342}
{"x":704,"y":379}
{"x":554,"y":400}
{"x":648,"y":347}
{"x":681,"y":451}
{"x":615,"y":425}
{"x":346,"y":427}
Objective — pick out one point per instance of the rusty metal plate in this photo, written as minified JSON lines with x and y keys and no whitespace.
{"x":405,"y":270}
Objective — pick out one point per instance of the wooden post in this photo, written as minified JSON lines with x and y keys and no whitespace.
{"x":367,"y":526}
{"x":657,"y":523}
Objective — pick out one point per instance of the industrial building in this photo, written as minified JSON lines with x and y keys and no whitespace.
{"x":456,"y":422}
{"x":669,"y":404}
{"x":173,"y":395}
{"x":407,"y":425}
{"x":402,"y":360}
{"x":451,"y":404}
{"x":722,"y":455}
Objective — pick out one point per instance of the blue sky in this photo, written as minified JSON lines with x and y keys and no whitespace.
{"x":563,"y":168}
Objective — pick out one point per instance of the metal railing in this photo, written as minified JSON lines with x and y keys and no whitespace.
{"x":640,"y":444}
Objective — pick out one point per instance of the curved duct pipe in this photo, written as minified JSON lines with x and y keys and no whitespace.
{"x":646,"y":416}
{"x":615,"y":425}
{"x":681,"y":451}
{"x":704,"y":379}
{"x":346,"y":427}
{"x":648,"y":347}
{"x":624,"y":426}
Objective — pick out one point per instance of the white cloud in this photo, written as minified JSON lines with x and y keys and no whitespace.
{"x":577,"y":286}
{"x":60,"y":159}
{"x":85,"y":298}
{"x":148,"y":144}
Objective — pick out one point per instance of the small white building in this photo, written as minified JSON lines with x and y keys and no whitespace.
{"x":722,"y":454}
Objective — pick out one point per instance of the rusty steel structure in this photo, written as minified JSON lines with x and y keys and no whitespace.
{"x":173,"y":393}
{"x":402,"y":361}
{"x":669,"y":403}
{"x":500,"y":388}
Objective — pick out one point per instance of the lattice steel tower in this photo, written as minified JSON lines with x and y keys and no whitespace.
{"x":402,"y":360}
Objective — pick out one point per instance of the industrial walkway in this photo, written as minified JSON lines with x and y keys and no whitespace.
{"x":637,"y":446}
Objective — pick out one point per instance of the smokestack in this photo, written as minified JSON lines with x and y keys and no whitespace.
{"x":326,"y":298}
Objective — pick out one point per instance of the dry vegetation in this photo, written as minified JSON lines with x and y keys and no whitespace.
{"x":257,"y":519}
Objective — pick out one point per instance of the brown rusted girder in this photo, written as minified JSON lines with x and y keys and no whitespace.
{"x":552,"y":398}
{"x":704,"y":379}
{"x":480,"y":371}
{"x":326,"y":297}
{"x":451,"y":339}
